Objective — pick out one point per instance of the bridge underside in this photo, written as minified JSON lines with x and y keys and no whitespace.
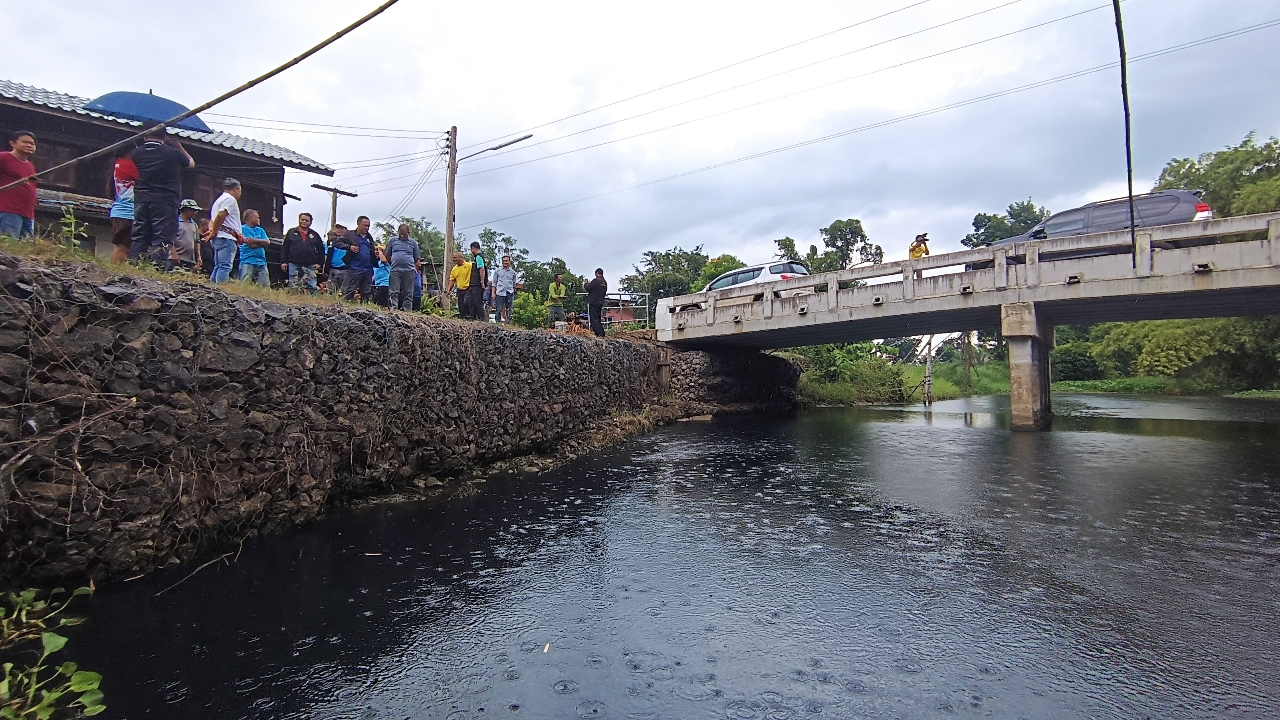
{"x":1161,"y":306}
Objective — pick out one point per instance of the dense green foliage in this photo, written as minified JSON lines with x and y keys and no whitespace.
{"x":528,"y":311}
{"x":1017,"y":219}
{"x":42,"y":691}
{"x":1238,"y":180}
{"x":849,"y":373}
{"x":1213,"y":355}
{"x":716,"y":267}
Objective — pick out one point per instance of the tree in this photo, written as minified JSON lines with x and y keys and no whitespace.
{"x":1017,"y":219}
{"x":716,"y":267}
{"x":494,"y":245}
{"x":666,"y":273}
{"x":1237,"y":180}
{"x":430,"y":241}
{"x":847,"y":239}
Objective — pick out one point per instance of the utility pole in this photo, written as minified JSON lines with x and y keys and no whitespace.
{"x":1128,"y":128}
{"x":928,"y":372}
{"x":450,"y":180}
{"x":333,"y":202}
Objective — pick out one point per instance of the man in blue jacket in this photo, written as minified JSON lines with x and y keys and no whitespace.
{"x":359,"y":260}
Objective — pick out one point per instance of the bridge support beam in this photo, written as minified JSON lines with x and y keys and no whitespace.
{"x":1030,"y":340}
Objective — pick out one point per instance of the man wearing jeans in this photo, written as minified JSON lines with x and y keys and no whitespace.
{"x":224,"y":230}
{"x":504,"y":285}
{"x":18,"y":203}
{"x":405,"y":258}
{"x":337,"y":265}
{"x":253,"y":251}
{"x":303,"y":253}
{"x":157,"y":192}
{"x":360,"y":260}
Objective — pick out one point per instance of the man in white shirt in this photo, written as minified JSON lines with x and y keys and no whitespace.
{"x":224,"y":230}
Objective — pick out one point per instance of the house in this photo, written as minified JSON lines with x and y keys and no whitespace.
{"x":65,"y":130}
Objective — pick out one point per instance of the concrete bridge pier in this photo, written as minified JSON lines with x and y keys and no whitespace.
{"x":1030,"y":339}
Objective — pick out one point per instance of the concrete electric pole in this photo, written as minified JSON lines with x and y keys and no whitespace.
{"x":450,"y":180}
{"x":333,"y":202}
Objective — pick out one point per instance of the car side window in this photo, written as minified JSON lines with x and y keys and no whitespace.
{"x":723,"y":282}
{"x":1111,"y":217}
{"x":1067,"y":223}
{"x":746,"y":276}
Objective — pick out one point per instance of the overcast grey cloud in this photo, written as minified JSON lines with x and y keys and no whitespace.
{"x":494,"y":68}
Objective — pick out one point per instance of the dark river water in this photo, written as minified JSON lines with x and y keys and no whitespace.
{"x":842,"y":563}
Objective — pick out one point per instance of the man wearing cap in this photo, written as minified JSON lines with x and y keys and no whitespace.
{"x":157,"y":192}
{"x":185,"y":250}
{"x":303,"y":254}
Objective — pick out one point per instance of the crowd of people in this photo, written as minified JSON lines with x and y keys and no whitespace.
{"x":152,"y":223}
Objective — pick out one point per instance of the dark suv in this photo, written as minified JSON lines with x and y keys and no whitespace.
{"x":1166,"y":207}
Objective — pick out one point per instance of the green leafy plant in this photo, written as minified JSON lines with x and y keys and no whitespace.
{"x":528,"y":312}
{"x":32,"y":692}
{"x":72,"y":230}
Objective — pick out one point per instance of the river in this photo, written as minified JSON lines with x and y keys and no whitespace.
{"x":835,"y":563}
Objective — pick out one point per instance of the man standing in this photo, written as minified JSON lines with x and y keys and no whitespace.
{"x":303,"y":254}
{"x":406,"y":260}
{"x":556,"y":293}
{"x":505,"y":281}
{"x":253,"y":250}
{"x":156,"y":194}
{"x":18,"y":203}
{"x":460,"y":277}
{"x":185,"y":253}
{"x":224,"y":230}
{"x":479,"y":283}
{"x":123,"y":177}
{"x":359,"y":261}
{"x":596,"y":290}
{"x":336,"y":263}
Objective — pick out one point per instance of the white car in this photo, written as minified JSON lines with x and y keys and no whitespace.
{"x":756,"y":274}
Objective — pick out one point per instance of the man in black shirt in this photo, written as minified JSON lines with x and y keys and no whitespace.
{"x":596,"y":290}
{"x":158,"y":191}
{"x":303,"y":255}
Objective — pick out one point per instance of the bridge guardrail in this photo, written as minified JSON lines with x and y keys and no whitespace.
{"x":997,"y":257}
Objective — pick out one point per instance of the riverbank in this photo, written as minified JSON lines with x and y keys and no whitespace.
{"x":147,"y":421}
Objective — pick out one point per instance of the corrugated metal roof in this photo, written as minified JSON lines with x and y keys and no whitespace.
{"x":71,"y":103}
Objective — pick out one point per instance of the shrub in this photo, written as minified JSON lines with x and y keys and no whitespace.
{"x":1073,"y":361}
{"x":528,"y":312}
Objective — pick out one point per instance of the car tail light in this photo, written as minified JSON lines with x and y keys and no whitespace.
{"x":786,"y":277}
{"x":1202,"y":207}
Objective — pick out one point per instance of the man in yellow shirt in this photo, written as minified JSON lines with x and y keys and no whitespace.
{"x":920,"y":247}
{"x":460,"y":278}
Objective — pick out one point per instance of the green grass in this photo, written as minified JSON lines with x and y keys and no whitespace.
{"x":1257,"y":394}
{"x":1127,"y":385}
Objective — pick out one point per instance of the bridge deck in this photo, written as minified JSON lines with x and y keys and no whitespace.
{"x":1176,"y":271}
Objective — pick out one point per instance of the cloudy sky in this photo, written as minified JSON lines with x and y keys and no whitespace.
{"x":665,"y":88}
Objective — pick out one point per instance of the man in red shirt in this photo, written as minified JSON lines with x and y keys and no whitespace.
{"x":18,"y":203}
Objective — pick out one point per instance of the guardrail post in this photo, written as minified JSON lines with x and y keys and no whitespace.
{"x":1273,"y":238}
{"x":711,"y":310}
{"x":1033,"y":265}
{"x":1000,"y":262}
{"x":1142,"y":256}
{"x":1030,"y":340}
{"x":909,"y":280}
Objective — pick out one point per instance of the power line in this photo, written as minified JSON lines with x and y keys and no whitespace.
{"x":763,"y":102}
{"x":903,"y":118}
{"x":221,"y":98}
{"x":704,"y":74}
{"x":768,"y":77}
{"x":343,"y":127}
{"x":327,"y":132}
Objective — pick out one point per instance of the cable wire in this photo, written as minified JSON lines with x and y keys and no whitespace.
{"x":704,"y":74}
{"x":903,"y":118}
{"x":221,"y":98}
{"x":343,"y":127}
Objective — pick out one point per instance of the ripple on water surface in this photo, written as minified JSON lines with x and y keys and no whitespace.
{"x":837,"y":563}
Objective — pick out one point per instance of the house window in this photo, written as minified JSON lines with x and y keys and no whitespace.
{"x":49,"y":155}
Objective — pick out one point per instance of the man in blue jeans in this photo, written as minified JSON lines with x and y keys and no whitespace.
{"x":253,"y":250}
{"x":360,"y":261}
{"x":18,"y":203}
{"x":224,"y":230}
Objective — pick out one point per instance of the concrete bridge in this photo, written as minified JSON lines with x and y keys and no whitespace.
{"x":1174,"y":271}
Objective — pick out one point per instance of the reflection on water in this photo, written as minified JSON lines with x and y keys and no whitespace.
{"x":872,"y":562}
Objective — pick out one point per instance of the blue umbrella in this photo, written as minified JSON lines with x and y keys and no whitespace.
{"x":143,"y":107}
